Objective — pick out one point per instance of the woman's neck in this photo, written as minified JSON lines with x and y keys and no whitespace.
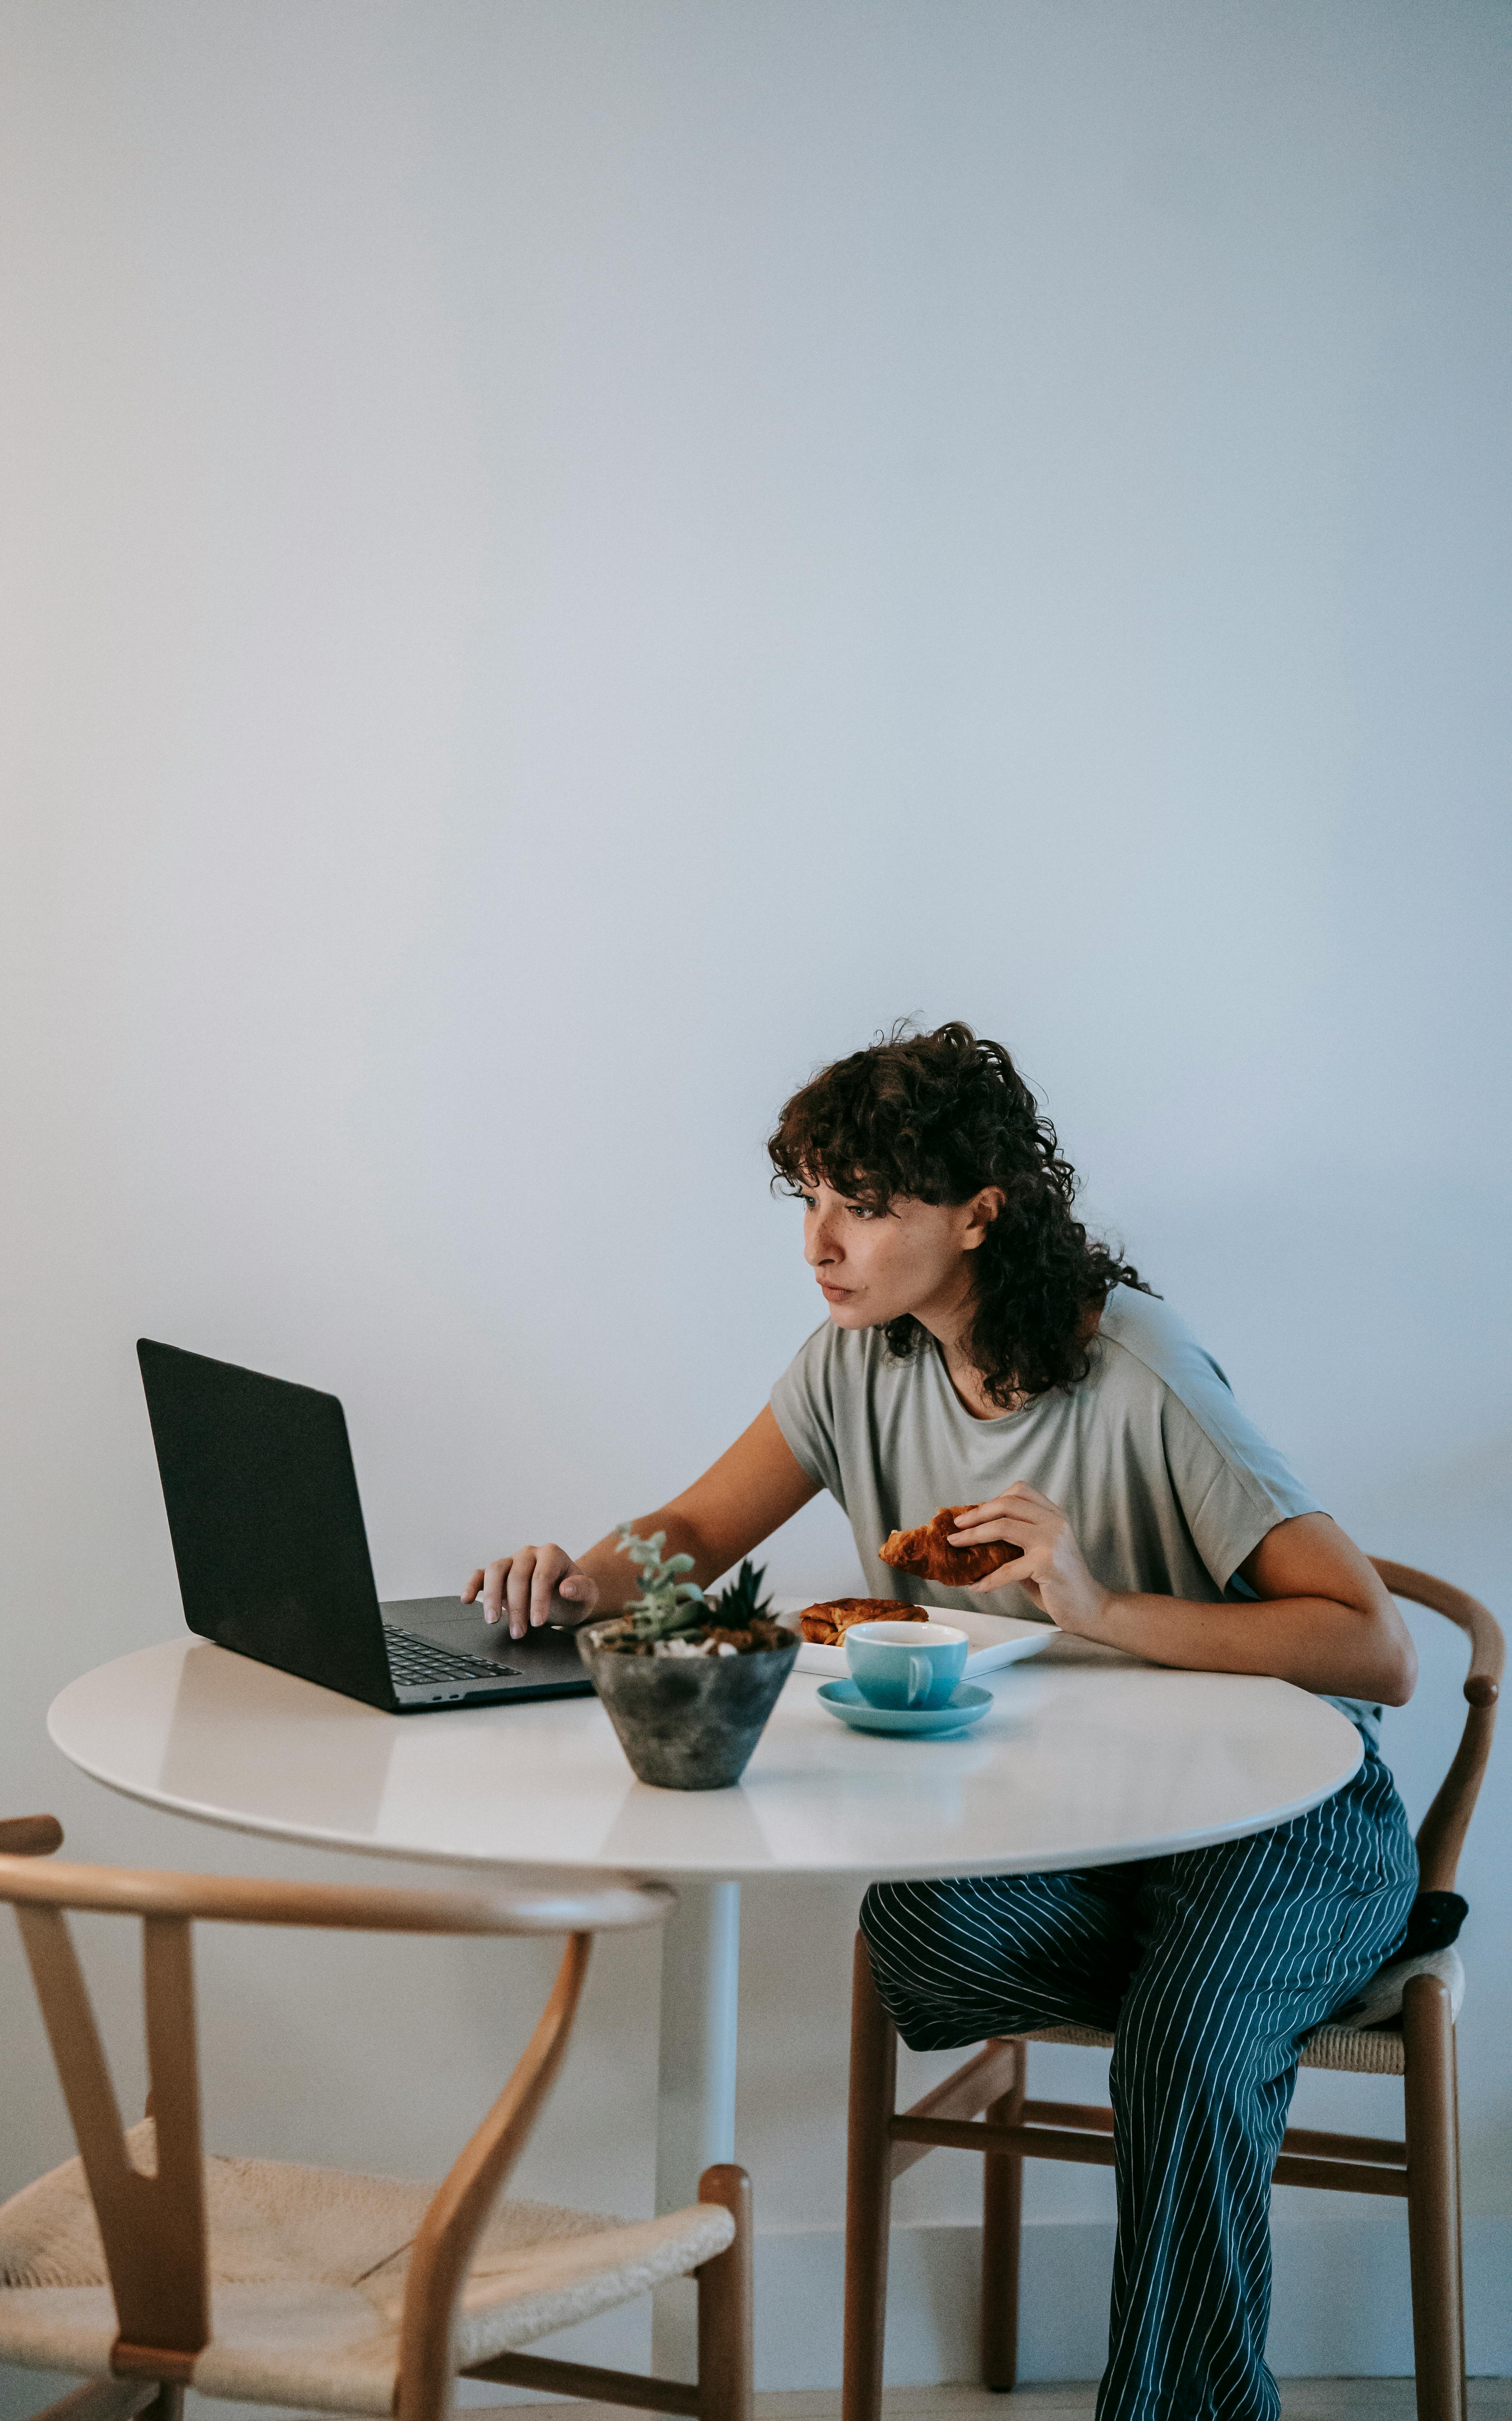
{"x":952,"y":1335}
{"x":966,"y":1383}
{"x":950,"y":1324}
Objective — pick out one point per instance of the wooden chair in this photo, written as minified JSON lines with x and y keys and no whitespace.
{"x":144,"y":2267}
{"x":1418,"y":2046}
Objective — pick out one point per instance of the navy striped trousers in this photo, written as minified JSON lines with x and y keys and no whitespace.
{"x":1208,"y":1968}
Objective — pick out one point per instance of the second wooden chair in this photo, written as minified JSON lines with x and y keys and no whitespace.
{"x":144,"y":2267}
{"x":1417,"y":2046}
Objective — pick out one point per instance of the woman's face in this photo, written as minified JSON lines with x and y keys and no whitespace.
{"x":877,"y":1265}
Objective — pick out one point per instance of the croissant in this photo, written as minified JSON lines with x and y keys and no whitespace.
{"x":927,"y":1553}
{"x":825,"y":1626}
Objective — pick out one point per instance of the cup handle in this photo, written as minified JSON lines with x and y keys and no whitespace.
{"x":921,"y":1676}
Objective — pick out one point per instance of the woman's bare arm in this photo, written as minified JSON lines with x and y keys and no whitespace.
{"x":1322,"y":1617}
{"x":753,"y":1488}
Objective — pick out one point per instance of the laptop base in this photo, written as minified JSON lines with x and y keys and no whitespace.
{"x":544,"y":1664}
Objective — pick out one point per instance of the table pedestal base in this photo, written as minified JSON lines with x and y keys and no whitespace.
{"x":695,"y":2086}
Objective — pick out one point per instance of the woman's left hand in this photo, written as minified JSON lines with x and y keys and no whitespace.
{"x":1049,"y":1569}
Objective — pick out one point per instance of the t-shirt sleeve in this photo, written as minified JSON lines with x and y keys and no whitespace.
{"x":804,"y":1403}
{"x":1232,"y":1484}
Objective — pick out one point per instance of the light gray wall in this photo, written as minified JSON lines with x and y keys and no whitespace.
{"x":566,"y":564}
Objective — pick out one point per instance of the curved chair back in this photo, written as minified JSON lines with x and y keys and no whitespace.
{"x":1441,"y":1835}
{"x":153,"y":2226}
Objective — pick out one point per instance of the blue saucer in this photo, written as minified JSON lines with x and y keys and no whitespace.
{"x":967,"y":1703}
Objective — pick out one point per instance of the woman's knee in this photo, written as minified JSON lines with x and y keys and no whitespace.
{"x":895,"y":1914}
{"x":876,"y":1909}
{"x":950,"y":1937}
{"x":931,"y":1982}
{"x":946,"y":1919}
{"x":905,"y":1929}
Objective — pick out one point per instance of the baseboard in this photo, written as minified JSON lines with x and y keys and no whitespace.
{"x":1341,"y":2306}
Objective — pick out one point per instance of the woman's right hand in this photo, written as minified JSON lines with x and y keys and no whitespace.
{"x":522,"y":1588}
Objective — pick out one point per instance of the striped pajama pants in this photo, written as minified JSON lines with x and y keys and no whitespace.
{"x":1208,"y":1968}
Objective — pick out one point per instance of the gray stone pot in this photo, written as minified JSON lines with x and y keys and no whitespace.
{"x":686,"y":1722}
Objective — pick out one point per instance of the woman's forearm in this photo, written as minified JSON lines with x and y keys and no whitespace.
{"x":1315,"y":1641}
{"x":615,"y":1576}
{"x":1320,"y":1615}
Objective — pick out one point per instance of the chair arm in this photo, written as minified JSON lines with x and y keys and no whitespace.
{"x":1441,"y":1835}
{"x":545,"y":1904}
{"x":459,"y":2208}
{"x":1488,"y":1646}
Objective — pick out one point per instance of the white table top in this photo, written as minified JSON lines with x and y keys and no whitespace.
{"x":1086,"y":1759}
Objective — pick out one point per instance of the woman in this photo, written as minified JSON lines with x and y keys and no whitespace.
{"x":981,"y":1349}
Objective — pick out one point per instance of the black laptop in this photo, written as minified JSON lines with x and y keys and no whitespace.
{"x":272,"y":1556}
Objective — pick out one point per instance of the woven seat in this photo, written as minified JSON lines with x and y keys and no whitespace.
{"x":1360,"y":2050}
{"x":1375,"y":2053}
{"x":1376,"y":2049}
{"x":309,"y":2269}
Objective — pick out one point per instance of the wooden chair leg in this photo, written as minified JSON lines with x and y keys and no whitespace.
{"x":1433,"y":2200}
{"x":1002,"y":2219}
{"x":725,"y":2333}
{"x":868,"y":2192}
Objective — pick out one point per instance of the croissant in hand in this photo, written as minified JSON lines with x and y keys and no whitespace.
{"x":926,"y":1552}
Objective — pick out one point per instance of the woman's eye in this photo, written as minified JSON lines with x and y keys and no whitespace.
{"x":861,"y":1210}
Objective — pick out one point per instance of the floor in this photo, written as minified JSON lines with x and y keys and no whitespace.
{"x":1301,"y":2399}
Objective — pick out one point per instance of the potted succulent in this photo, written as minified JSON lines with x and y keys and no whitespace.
{"x":688,"y":1682}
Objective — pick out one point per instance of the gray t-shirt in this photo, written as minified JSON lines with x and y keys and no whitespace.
{"x":1165,"y":1483}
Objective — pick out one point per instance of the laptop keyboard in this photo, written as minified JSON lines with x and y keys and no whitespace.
{"x":413,"y":1660}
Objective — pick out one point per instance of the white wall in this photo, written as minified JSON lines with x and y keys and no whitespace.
{"x":564,"y":565}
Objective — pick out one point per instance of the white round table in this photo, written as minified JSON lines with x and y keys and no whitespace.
{"x":1087,"y":1758}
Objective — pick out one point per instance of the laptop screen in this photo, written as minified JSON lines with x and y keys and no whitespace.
{"x":265,"y":1517}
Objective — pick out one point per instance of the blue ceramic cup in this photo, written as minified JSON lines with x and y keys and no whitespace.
{"x":906,"y":1663}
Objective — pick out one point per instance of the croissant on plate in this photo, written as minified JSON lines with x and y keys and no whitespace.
{"x":825,"y":1626}
{"x":926,"y":1552}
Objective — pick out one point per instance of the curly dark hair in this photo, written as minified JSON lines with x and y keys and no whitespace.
{"x":935,"y":1116}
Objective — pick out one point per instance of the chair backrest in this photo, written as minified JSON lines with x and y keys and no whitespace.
{"x":1441,"y":1835}
{"x":154,"y":2228}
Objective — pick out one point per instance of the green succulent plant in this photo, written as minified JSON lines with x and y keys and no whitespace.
{"x":670,"y":1608}
{"x":737,"y":1607}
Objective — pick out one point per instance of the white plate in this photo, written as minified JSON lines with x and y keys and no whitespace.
{"x":995,"y":1639}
